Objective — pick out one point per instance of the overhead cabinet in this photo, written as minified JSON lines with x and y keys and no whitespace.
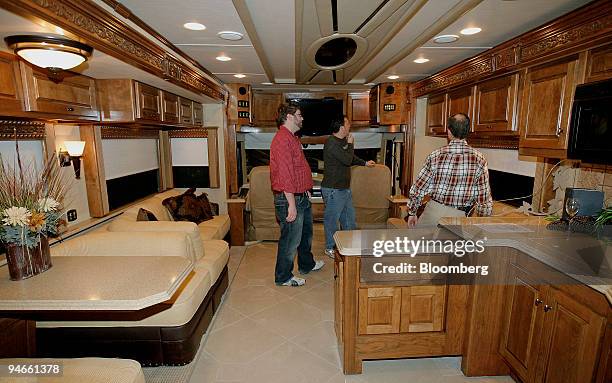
{"x":170,"y":107}
{"x":11,"y":99}
{"x":436,"y":115}
{"x":265,"y":107}
{"x":495,"y":102}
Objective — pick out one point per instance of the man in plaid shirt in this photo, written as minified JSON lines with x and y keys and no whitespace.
{"x":455,"y":177}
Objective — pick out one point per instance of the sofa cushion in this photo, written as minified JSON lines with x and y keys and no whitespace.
{"x":188,"y":299}
{"x":216,"y":255}
{"x":90,"y":370}
{"x":215,"y":228}
{"x":145,"y":215}
{"x":188,"y":207}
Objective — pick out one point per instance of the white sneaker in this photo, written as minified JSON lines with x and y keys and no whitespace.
{"x":295,"y":282}
{"x":330,"y":253}
{"x":318,"y":265}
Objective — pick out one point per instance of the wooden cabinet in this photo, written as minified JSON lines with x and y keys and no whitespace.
{"x":74,"y":96}
{"x":388,"y":104}
{"x":379,"y":310}
{"x":436,"y":116}
{"x":546,"y":101}
{"x":599,"y":64}
{"x":10,"y":85}
{"x":148,"y":102}
{"x":186,"y":111}
{"x":338,"y":297}
{"x":460,"y":101}
{"x":170,"y":107}
{"x":495,"y":102}
{"x":358,"y":111}
{"x":548,"y":335}
{"x":17,"y":338}
{"x":198,"y":114}
{"x":265,"y":107}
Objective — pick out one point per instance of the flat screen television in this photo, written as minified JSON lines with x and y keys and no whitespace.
{"x":318,"y":115}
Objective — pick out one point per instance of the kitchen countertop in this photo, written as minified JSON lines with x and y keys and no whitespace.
{"x":579,"y":256}
{"x":96,"y":283}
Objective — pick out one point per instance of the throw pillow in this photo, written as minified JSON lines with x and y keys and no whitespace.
{"x":207,"y":206}
{"x":145,"y":215}
{"x":187,"y":207}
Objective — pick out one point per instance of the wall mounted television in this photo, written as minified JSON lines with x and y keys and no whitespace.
{"x":318,"y":115}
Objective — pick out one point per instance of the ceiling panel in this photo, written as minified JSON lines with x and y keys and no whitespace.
{"x":352,"y":13}
{"x":244,"y":59}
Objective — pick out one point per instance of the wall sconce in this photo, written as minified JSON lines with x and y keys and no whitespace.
{"x":73,"y":153}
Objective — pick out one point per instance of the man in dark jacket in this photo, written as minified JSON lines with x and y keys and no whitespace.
{"x":338,"y":157}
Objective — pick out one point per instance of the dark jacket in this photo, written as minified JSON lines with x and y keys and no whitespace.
{"x":338,"y":157}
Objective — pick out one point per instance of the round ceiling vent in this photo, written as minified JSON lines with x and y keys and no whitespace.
{"x":336,"y":51}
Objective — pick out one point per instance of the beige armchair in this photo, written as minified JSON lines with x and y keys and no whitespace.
{"x":260,"y":203}
{"x":370,"y":188}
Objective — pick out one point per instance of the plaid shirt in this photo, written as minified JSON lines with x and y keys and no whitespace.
{"x":289,"y":170}
{"x":455,"y":175}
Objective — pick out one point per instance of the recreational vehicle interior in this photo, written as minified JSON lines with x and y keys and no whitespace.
{"x":443,"y":164}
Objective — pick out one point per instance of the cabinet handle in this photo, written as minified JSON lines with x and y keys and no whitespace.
{"x":538,"y":301}
{"x":335,"y":277}
{"x":547,"y":308}
{"x":559,"y":131}
{"x":70,"y":109}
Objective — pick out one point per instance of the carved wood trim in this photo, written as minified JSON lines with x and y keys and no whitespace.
{"x":112,"y":36}
{"x":112,"y":132}
{"x":494,"y":142}
{"x":188,"y":133}
{"x":581,"y":29}
{"x":22,"y":130}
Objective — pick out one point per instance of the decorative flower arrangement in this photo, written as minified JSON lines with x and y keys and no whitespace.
{"x":30,"y":210}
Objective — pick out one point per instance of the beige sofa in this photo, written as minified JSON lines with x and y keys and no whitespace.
{"x":90,"y":370}
{"x":168,"y":337}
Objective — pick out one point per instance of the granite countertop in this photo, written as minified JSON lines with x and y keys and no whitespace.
{"x":96,"y":283}
{"x":579,"y":256}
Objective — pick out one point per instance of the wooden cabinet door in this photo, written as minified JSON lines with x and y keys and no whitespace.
{"x":170,"y":107}
{"x":186,"y":111}
{"x":373,"y":105}
{"x":495,"y":104}
{"x":198,"y":114}
{"x":338,"y":298}
{"x":265,"y":107}
{"x":599,"y":65}
{"x":423,"y":308}
{"x":522,"y":322}
{"x":74,"y":95}
{"x":10,"y":85}
{"x":379,"y":310}
{"x":571,"y":340}
{"x":359,"y":109}
{"x":547,"y":93}
{"x":461,"y":101}
{"x":148,"y":102}
{"x":436,"y":116}
{"x":17,"y":338}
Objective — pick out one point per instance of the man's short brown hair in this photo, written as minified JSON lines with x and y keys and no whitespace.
{"x":284,"y":110}
{"x":459,"y":125}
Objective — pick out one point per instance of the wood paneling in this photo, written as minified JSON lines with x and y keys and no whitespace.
{"x":186,"y":111}
{"x":198,"y":114}
{"x":213,"y":157}
{"x":495,"y":104}
{"x":170,"y":107}
{"x":379,"y":310}
{"x":265,"y":107}
{"x":436,"y":116}
{"x":338,"y":298}
{"x":74,"y":96}
{"x":599,"y":66}
{"x":423,"y":308}
{"x":93,"y":167}
{"x":235,"y":209}
{"x":239,"y":104}
{"x":17,"y":338}
{"x":392,"y":95}
{"x":11,"y":98}
{"x":358,"y":111}
{"x":546,"y":101}
{"x":148,"y":102}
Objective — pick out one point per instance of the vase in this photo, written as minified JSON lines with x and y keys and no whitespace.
{"x":25,"y":262}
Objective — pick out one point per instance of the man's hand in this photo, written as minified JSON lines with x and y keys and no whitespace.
{"x":292,"y":214}
{"x":370,"y":164}
{"x":350,"y":139}
{"x":412,"y":220}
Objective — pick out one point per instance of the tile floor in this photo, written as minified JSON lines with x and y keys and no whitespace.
{"x":269,"y":334}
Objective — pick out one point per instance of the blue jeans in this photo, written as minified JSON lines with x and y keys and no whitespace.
{"x":338,"y":207}
{"x":296,"y":235}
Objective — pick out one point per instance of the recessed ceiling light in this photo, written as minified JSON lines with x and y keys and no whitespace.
{"x":240,"y":75}
{"x":393,"y":77}
{"x":470,"y":31}
{"x":445,"y":39}
{"x":421,"y":60}
{"x":266,"y":83}
{"x":230,"y":35}
{"x":369,"y":84}
{"x":223,"y":58}
{"x":195,"y":26}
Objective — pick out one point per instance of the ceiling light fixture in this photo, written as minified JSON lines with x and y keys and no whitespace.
{"x":470,"y":31}
{"x":393,"y":77}
{"x":223,"y":58}
{"x":421,"y":60}
{"x":194,"y":26}
{"x":239,"y":75}
{"x":266,"y":83}
{"x":230,"y":35}
{"x":369,"y":84}
{"x":51,"y":52}
{"x":445,"y":39}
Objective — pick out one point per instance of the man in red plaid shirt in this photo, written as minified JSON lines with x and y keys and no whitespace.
{"x":455,"y":177}
{"x":291,"y":181}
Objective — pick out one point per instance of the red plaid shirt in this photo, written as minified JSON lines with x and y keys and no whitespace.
{"x":289,"y":170}
{"x":455,"y":175}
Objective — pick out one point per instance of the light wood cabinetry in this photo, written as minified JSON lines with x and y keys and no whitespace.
{"x":423,"y":308}
{"x":74,"y":96}
{"x":388,"y":104}
{"x":436,"y":116}
{"x":10,"y":85}
{"x":599,"y":65}
{"x":186,"y":111}
{"x":495,"y":102}
{"x":148,"y":102}
{"x":170,"y":107}
{"x":265,"y":107}
{"x":379,"y":310}
{"x":460,"y":101}
{"x":546,"y":101}
{"x":338,"y":297}
{"x":198,"y":114}
{"x":358,"y":111}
